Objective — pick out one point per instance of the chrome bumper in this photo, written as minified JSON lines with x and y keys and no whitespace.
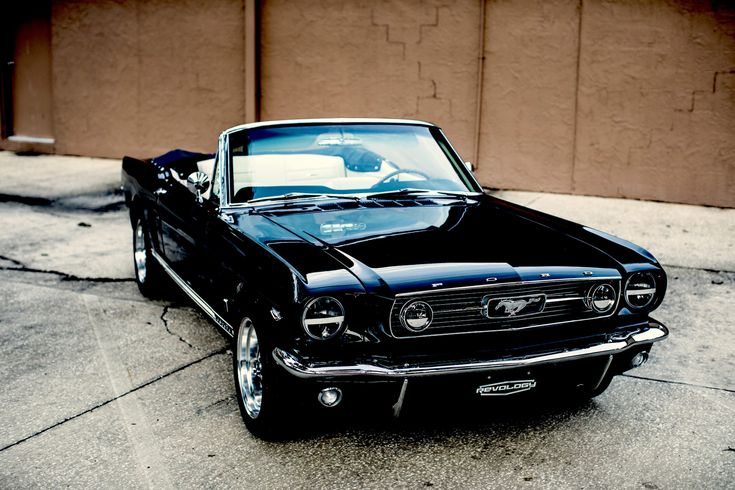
{"x":652,"y":333}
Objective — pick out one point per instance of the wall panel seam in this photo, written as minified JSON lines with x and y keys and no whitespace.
{"x":580,"y":14}
{"x":480,"y":82}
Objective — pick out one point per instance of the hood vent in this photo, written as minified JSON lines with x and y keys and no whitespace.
{"x":348,"y":205}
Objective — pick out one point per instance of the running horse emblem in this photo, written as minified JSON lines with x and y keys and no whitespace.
{"x":513,"y":306}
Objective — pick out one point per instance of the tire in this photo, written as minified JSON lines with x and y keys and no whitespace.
{"x":259,"y":396}
{"x":149,"y":275}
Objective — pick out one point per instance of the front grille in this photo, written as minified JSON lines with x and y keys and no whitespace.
{"x":461,"y":310}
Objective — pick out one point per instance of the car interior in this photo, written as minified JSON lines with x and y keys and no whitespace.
{"x":315,"y":161}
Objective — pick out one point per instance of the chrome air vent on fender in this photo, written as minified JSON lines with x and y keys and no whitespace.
{"x":508,"y":306}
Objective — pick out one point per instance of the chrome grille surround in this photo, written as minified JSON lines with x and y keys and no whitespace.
{"x":460,"y":310}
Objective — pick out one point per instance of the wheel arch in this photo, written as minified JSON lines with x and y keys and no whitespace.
{"x":136,"y":209}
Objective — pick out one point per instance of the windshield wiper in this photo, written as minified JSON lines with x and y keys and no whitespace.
{"x":415,"y":192}
{"x":302,"y":195}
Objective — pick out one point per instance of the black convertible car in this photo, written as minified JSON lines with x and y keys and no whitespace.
{"x":358,"y":261}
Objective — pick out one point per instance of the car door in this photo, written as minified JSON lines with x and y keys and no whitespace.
{"x":219,"y":252}
{"x":182,"y":227}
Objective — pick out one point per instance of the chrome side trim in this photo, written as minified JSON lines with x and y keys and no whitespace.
{"x":514,"y":283}
{"x":221,"y":322}
{"x":295,"y":366}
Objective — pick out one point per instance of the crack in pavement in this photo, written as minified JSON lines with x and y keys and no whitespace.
{"x":57,"y":286}
{"x":220,"y":351}
{"x":705,"y":269}
{"x":165,"y":324}
{"x":13,"y":261}
{"x":214,"y":404}
{"x":21,"y":267}
{"x":683,"y":383}
{"x":63,"y":203}
{"x":27,"y":200}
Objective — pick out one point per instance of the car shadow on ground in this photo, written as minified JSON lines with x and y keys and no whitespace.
{"x":439,"y":420}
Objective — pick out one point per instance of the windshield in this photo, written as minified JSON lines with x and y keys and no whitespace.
{"x":342,"y":159}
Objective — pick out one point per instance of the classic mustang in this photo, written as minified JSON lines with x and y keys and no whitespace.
{"x":358,"y":261}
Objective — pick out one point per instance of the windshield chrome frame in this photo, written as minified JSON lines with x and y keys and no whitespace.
{"x":224,"y":153}
{"x":463,"y":168}
{"x":223,"y":156}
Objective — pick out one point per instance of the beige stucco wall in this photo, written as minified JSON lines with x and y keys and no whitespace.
{"x":32,"y":81}
{"x":401,"y":58}
{"x":142,"y":77}
{"x":612,"y":98}
{"x":656,"y":111}
{"x":528,"y":116}
{"x":631,"y":99}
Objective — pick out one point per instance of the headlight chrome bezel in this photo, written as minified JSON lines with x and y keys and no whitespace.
{"x":653,"y":290}
{"x":308,"y":324}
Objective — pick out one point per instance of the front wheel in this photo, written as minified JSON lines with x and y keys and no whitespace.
{"x":149,"y":275}
{"x":258,"y":393}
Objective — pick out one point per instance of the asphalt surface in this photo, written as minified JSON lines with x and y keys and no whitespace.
{"x":104,"y":388}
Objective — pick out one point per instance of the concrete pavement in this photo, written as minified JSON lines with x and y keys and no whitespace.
{"x":104,"y":388}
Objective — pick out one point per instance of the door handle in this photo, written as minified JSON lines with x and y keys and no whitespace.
{"x":160,"y":192}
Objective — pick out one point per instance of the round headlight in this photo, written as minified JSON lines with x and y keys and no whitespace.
{"x":323,"y":318}
{"x":601,"y":298}
{"x":640,"y":290}
{"x":416,"y":316}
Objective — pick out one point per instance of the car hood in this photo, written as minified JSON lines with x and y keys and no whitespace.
{"x":408,"y":245}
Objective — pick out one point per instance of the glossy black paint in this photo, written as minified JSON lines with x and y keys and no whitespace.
{"x":254,"y":260}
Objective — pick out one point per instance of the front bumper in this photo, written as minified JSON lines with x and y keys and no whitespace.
{"x":300,"y":368}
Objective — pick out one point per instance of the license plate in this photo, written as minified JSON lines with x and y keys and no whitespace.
{"x":503,"y":388}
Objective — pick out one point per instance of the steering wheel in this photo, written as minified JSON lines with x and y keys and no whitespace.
{"x":389,"y":176}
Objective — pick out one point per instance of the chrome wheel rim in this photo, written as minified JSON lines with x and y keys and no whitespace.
{"x":249,"y":369}
{"x":140,"y":254}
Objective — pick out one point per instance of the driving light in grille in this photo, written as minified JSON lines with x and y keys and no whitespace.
{"x":640,"y":290}
{"x":323,"y":318}
{"x":416,"y":316}
{"x":601,"y":298}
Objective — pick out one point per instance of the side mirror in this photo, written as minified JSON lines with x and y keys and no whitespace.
{"x":469,"y":166}
{"x":198,"y":183}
